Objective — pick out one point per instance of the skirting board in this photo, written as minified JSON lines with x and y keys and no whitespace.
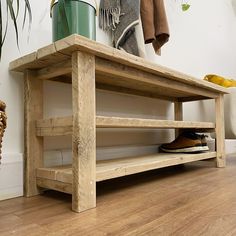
{"x":11,"y":176}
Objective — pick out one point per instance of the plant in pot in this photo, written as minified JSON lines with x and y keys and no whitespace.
{"x":73,"y":17}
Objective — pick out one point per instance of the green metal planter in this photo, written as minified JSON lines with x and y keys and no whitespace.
{"x":73,"y":17}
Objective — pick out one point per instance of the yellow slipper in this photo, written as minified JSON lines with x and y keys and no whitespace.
{"x":216,"y":79}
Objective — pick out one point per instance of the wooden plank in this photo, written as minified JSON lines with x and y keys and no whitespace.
{"x":124,"y":81}
{"x":117,"y":74}
{"x":55,"y":126}
{"x":106,"y":52}
{"x":63,"y":126}
{"x":114,"y":168}
{"x":178,"y":111}
{"x":84,"y":132}
{"x":33,"y":91}
{"x":118,"y":122}
{"x":124,"y":85}
{"x":76,"y":42}
{"x":126,"y":166}
{"x":192,"y":98}
{"x":55,"y":56}
{"x":58,"y":173}
{"x":55,"y":70}
{"x":38,"y":59}
{"x":54,"y":185}
{"x":137,"y":92}
{"x":220,"y":132}
{"x":23,"y":63}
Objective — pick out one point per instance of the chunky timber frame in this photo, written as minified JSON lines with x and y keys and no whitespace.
{"x":88,"y":65}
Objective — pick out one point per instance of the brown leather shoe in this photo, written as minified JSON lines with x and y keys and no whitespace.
{"x":186,"y":142}
{"x":204,"y":142}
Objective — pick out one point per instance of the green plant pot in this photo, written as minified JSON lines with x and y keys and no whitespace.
{"x":73,"y":17}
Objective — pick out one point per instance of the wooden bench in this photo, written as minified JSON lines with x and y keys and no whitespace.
{"x":89,"y":65}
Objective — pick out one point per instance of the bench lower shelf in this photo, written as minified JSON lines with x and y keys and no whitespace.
{"x":60,"y":178}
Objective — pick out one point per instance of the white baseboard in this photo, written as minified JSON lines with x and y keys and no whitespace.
{"x":11,"y":176}
{"x":8,"y":193}
{"x":230,"y":146}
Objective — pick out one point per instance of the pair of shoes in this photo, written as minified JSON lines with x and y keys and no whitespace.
{"x":186,"y":142}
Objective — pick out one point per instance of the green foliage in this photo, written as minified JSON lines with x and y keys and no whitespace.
{"x":12,"y":11}
{"x":185,"y":6}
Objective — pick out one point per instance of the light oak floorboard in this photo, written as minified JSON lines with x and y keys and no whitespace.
{"x":191,"y":199}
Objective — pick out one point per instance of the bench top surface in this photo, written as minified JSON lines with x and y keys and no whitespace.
{"x":62,"y":50}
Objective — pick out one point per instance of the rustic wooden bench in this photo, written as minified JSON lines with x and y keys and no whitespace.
{"x":89,"y":65}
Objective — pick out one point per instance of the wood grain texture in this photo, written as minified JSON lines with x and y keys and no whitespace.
{"x":55,"y":70}
{"x":49,"y":55}
{"x":178,"y":111}
{"x":121,"y":75}
{"x":116,"y":71}
{"x":84,"y":132}
{"x":121,"y":78}
{"x":64,"y":126}
{"x":109,"y":169}
{"x":55,"y":126}
{"x":139,"y":91}
{"x":220,"y":131}
{"x":33,"y":110}
{"x":54,"y":185}
{"x":196,"y":199}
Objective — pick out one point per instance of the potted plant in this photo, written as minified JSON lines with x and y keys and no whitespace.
{"x":73,"y":17}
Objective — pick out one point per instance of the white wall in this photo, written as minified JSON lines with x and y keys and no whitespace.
{"x":202,"y":41}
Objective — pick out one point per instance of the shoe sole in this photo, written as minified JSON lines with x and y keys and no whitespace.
{"x":187,"y":150}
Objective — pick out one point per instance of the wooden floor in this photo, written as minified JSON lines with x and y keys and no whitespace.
{"x":194,"y":199}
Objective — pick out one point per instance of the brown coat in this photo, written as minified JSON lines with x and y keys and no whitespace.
{"x":154,"y":22}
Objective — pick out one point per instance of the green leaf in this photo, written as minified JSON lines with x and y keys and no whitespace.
{"x":12,"y":10}
{"x":185,"y":6}
{"x":17,"y":7}
{"x":13,"y":17}
{"x":2,"y":33}
{"x":27,"y":10}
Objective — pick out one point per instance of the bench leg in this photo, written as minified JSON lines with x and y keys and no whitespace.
{"x":84,"y":132}
{"x":220,"y":132}
{"x":33,"y":153}
{"x":178,"y":111}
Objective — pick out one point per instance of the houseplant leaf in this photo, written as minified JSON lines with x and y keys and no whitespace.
{"x":12,"y":9}
{"x":185,"y":6}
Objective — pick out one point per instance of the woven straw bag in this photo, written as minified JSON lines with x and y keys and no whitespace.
{"x":3,"y":123}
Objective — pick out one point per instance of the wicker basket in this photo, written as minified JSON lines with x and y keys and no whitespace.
{"x":3,"y":123}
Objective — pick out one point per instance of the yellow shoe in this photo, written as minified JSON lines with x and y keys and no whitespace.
{"x":216,"y":79}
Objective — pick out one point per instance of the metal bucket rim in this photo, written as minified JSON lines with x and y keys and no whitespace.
{"x":92,"y":3}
